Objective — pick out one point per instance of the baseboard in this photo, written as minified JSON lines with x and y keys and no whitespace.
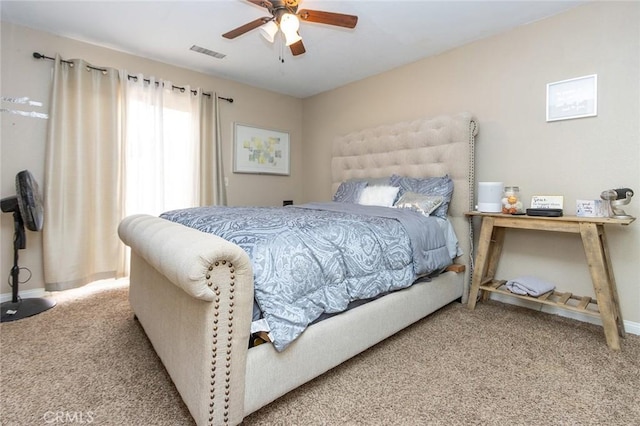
{"x":629,"y":326}
{"x":24,"y":294}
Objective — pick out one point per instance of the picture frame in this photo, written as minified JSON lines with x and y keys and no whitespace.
{"x":259,"y":150}
{"x":572,"y":98}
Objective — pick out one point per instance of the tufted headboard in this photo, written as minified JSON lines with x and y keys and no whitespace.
{"x":420,"y":148}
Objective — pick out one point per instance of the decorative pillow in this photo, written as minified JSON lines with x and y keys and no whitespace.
{"x":424,"y":204}
{"x":442,"y":185}
{"x":349,"y":192}
{"x":379,"y":196}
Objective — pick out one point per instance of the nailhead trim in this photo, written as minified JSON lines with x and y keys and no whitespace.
{"x":214,"y":340}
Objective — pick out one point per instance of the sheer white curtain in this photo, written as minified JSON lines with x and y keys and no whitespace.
{"x":117,"y":146}
{"x":82,"y":185}
{"x":160,"y":145}
{"x":171,"y":150}
{"x":172,"y":147}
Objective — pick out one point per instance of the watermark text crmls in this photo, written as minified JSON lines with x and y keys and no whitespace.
{"x":69,"y":417}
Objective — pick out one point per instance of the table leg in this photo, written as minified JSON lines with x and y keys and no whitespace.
{"x":612,"y":282}
{"x":482,"y":260}
{"x":596,"y":260}
{"x":495,"y":250}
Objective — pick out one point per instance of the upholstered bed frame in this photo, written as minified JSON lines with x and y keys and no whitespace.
{"x":193,"y":292}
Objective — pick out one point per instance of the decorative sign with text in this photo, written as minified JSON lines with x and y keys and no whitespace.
{"x":547,"y":202}
{"x":592,"y":208}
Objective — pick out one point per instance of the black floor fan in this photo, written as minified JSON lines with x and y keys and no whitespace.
{"x":27,"y":210}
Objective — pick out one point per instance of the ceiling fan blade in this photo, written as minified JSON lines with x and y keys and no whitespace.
{"x":246,"y":27}
{"x":331,"y":18}
{"x":297,"y":48}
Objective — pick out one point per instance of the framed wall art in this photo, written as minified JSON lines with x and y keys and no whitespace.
{"x":573,"y":98}
{"x":261,"y":151}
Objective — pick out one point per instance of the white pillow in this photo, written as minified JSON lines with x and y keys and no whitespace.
{"x":378,"y":196}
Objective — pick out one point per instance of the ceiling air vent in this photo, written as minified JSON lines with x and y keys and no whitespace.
{"x":207,"y":52}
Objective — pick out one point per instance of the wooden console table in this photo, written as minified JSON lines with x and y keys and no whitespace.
{"x":591,"y":229}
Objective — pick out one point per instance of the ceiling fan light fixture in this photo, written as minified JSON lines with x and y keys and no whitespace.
{"x":269,"y":30}
{"x":290,"y":39}
{"x":289,"y":24}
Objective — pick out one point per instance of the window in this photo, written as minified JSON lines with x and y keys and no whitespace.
{"x":161,"y":149}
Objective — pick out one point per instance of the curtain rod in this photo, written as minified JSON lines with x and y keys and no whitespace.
{"x":41,"y":56}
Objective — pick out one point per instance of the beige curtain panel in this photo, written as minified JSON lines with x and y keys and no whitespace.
{"x":120,"y":145}
{"x":82,"y":194}
{"x":211,"y":179}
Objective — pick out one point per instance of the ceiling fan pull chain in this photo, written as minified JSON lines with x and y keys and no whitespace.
{"x":281,"y":47}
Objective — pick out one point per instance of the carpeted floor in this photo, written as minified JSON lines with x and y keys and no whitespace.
{"x":87,"y":361}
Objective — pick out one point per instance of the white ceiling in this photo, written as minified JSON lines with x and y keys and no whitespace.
{"x":388,"y":34}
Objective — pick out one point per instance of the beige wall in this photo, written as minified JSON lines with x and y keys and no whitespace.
{"x":502,"y":80}
{"x":23,"y":138}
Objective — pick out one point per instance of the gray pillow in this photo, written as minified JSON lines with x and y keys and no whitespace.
{"x":442,"y":185}
{"x":349,"y":192}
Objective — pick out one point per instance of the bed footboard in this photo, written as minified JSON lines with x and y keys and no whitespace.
{"x":193,"y":294}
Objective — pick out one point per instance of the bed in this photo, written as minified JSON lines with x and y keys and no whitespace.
{"x":193,"y":292}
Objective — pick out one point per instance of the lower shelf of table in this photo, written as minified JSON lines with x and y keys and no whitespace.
{"x":565,"y":300}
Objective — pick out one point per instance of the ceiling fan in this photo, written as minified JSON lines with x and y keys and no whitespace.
{"x":286,"y":17}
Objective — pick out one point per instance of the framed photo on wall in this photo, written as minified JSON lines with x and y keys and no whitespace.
{"x":261,"y":151}
{"x":573,"y":98}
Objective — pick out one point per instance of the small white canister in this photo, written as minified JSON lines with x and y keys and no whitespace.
{"x":490,"y":197}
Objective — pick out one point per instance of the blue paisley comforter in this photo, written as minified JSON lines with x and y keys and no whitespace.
{"x":316,"y":258}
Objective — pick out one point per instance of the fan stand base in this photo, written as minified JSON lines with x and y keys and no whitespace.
{"x":12,"y":311}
